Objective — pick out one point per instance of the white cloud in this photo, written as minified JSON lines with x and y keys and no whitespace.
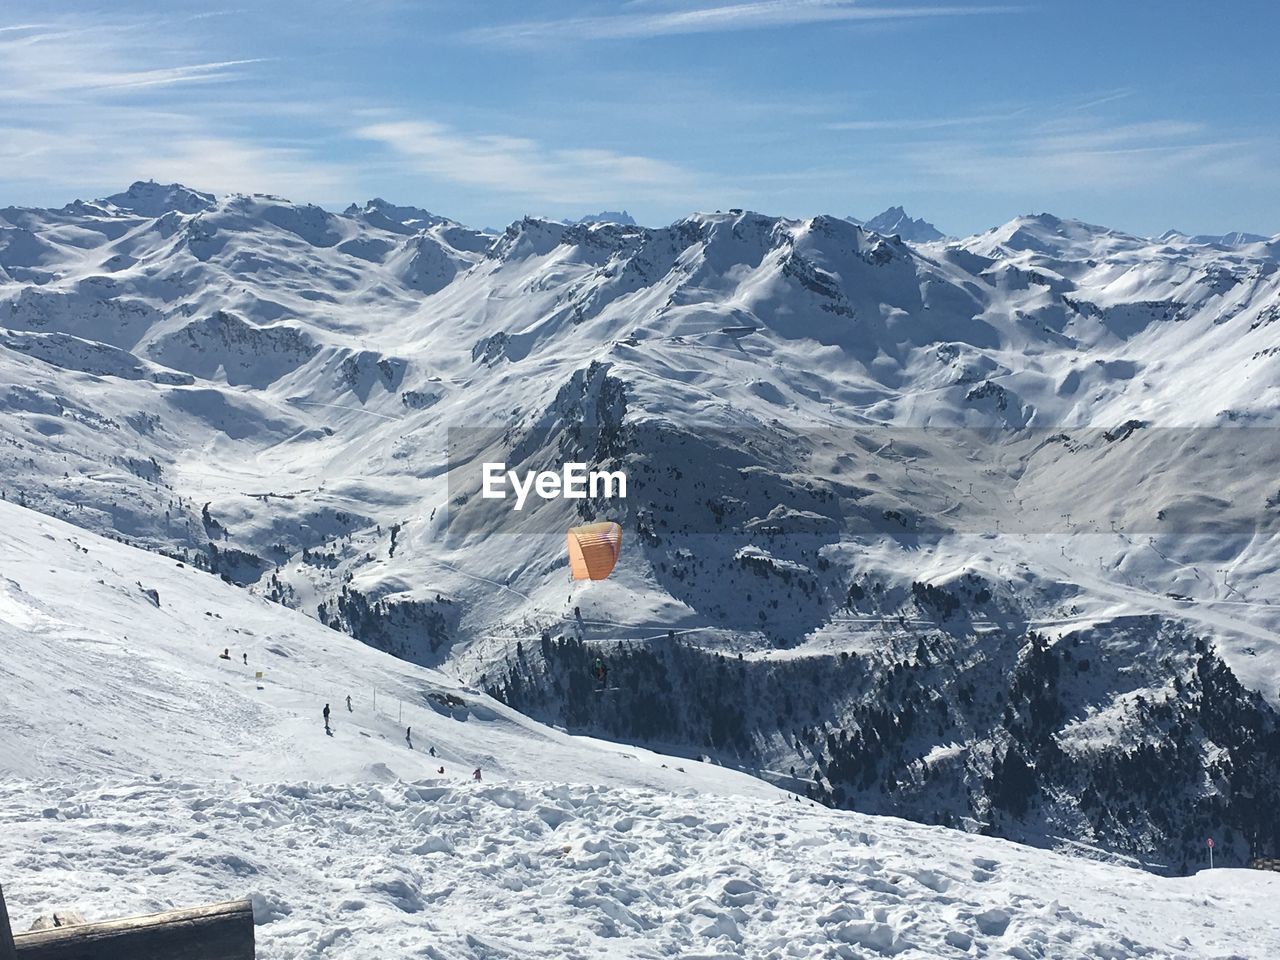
{"x":526,"y":168}
{"x":101,"y":103}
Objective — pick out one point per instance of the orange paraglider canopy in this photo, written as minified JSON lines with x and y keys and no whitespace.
{"x":594,"y":549}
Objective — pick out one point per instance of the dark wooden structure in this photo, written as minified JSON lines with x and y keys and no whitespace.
{"x":6,"y":934}
{"x":1258,"y":863}
{"x":222,"y":931}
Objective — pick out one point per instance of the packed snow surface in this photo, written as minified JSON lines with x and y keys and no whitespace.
{"x":440,"y":870}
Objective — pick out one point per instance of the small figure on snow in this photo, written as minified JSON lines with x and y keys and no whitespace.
{"x":432,"y":751}
{"x":225,"y":654}
{"x":408,"y":736}
{"x":246,"y":659}
{"x":348,"y":703}
{"x":441,"y":770}
{"x":476,"y":776}
{"x":326,"y":718}
{"x":600,"y":672}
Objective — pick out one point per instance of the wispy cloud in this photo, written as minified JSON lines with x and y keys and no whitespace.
{"x":1064,"y":155}
{"x":102,"y":102}
{"x":755,"y":15}
{"x":914,"y":124}
{"x":37,"y":61}
{"x":523,"y":167}
{"x":1101,"y":99}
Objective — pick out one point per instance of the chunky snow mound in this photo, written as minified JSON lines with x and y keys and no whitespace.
{"x":428,"y":869}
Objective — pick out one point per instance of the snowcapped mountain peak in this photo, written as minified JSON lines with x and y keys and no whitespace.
{"x":1048,"y":235}
{"x":532,"y":237}
{"x":895,"y":221}
{"x":389,"y":216}
{"x":843,"y":227}
{"x":150,"y":199}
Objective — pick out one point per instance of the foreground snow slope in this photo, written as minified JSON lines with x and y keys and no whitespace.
{"x":140,"y":772}
{"x":98,"y":679}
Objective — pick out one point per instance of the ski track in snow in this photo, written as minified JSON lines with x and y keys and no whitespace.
{"x":430,"y":869}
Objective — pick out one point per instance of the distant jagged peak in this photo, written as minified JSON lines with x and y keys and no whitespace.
{"x":895,"y":221}
{"x":147,"y":198}
{"x":382,"y":213}
{"x":609,"y":216}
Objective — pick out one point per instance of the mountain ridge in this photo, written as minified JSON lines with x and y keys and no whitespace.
{"x":265,"y":389}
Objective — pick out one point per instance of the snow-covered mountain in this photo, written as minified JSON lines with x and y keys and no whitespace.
{"x":1236,"y":238}
{"x":895,"y":222}
{"x":141,"y":771}
{"x":978,"y":531}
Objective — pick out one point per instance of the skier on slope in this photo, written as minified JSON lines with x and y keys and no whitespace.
{"x":326,"y":718}
{"x":600,"y":672}
{"x":476,"y":776}
{"x":348,"y":703}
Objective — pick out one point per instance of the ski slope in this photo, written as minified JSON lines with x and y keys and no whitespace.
{"x":125,"y":686}
{"x":140,"y":772}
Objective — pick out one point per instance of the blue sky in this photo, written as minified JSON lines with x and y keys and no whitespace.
{"x":1137,"y":114}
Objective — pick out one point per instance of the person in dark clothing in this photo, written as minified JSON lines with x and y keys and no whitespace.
{"x":225,"y":654}
{"x":246,"y":659}
{"x":476,"y":775}
{"x":600,"y":672}
{"x":326,"y":718}
{"x":432,"y":751}
{"x":348,"y":703}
